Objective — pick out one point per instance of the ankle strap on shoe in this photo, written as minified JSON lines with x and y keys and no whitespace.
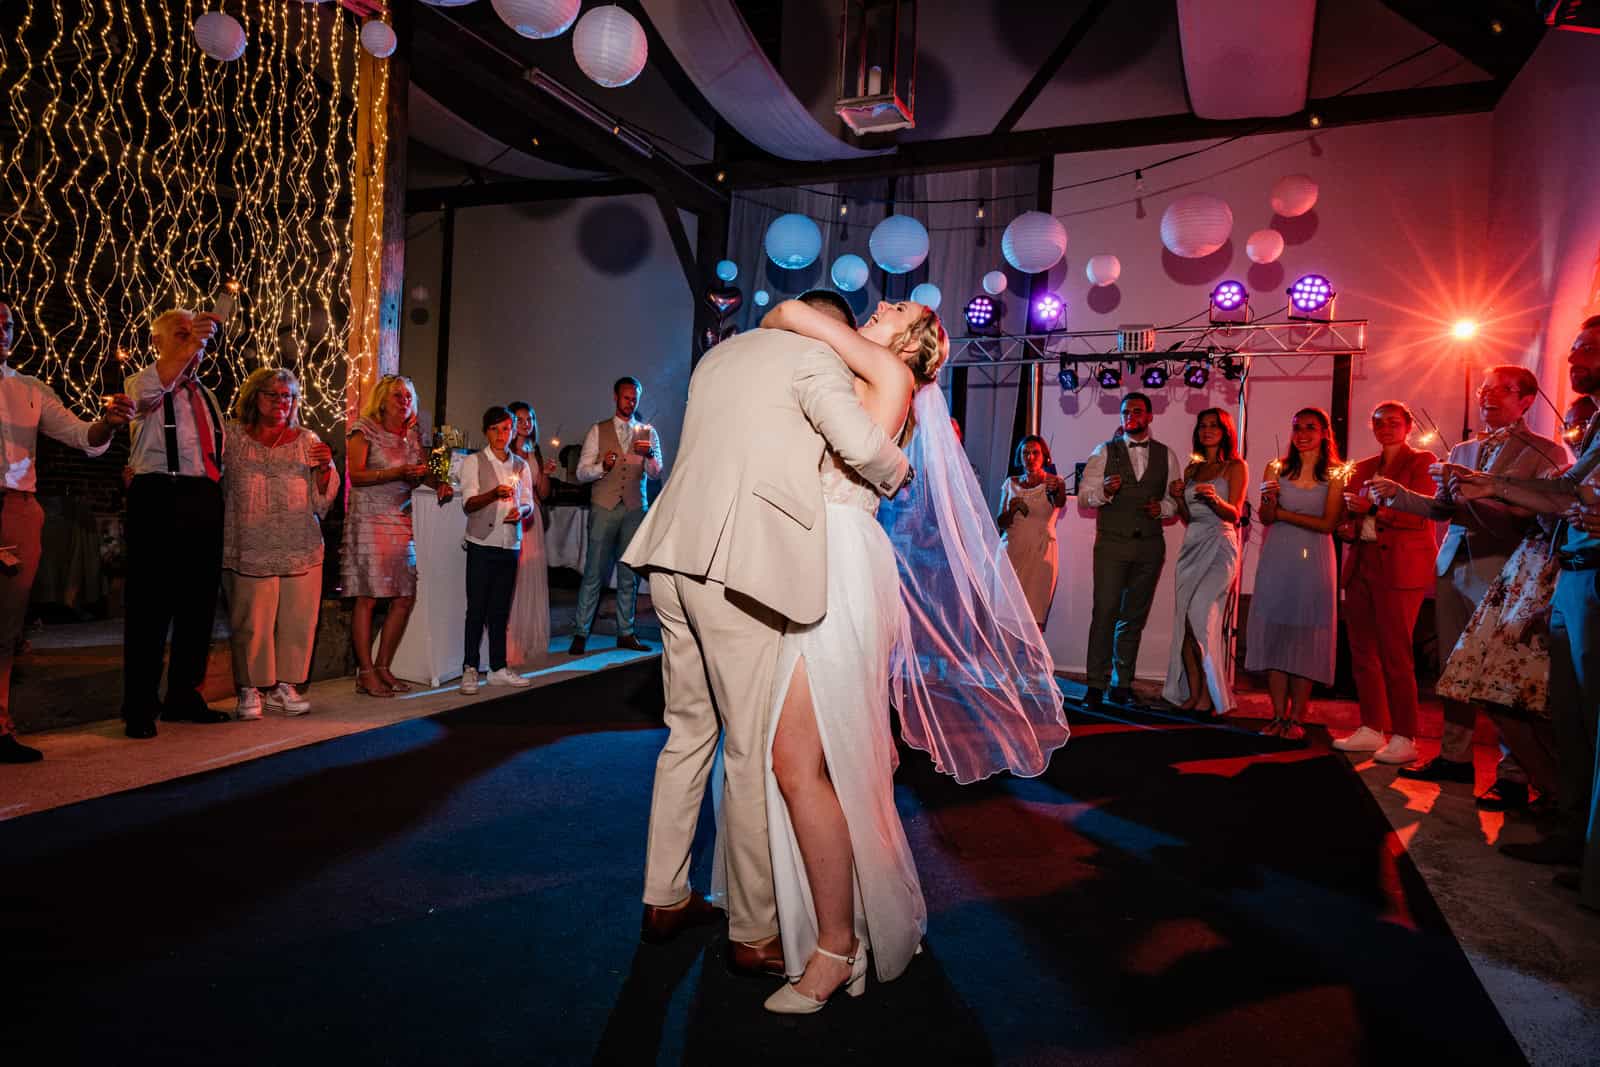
{"x":850,"y":959}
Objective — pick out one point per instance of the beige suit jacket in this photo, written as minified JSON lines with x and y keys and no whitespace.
{"x":743,"y":505}
{"x":1489,"y":527}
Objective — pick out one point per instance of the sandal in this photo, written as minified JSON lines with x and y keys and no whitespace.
{"x":394,"y":684}
{"x":377,"y":690}
{"x":1293,"y":731}
{"x":1273,"y":727}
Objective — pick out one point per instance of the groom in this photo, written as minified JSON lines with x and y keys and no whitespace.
{"x":737,"y":549}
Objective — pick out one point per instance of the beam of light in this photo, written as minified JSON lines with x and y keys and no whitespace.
{"x":1464,"y":329}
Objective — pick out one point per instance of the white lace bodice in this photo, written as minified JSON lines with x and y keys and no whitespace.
{"x":843,"y":486}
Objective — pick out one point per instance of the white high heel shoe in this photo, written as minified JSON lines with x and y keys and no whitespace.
{"x":790,"y":1001}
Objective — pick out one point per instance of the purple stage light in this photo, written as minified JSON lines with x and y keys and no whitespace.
{"x":1155,"y":376}
{"x":1310,"y":293}
{"x":1049,"y":310}
{"x":1109,"y":377}
{"x":1229,"y":295}
{"x":980,"y":313}
{"x":1195,"y":375}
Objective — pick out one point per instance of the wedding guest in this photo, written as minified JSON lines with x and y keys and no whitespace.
{"x":385,"y":458}
{"x":1476,"y":545}
{"x":1574,"y":695}
{"x":280,"y":484}
{"x":1210,"y":498}
{"x":28,"y":407}
{"x":1387,"y":571}
{"x":619,"y":454}
{"x":1030,"y":504}
{"x":1291,"y":634}
{"x":528,"y":637}
{"x":1127,"y":481}
{"x":1502,"y":661}
{"x":174,"y":528}
{"x":495,"y":496}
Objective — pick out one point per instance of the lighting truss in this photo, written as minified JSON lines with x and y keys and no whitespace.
{"x":1345,"y":337}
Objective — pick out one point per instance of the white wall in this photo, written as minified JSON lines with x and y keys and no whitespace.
{"x":551,"y":303}
{"x":1399,"y":227}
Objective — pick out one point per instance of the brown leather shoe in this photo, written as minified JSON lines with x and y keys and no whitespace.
{"x":663,"y":924}
{"x":756,"y":961}
{"x":632,"y":643}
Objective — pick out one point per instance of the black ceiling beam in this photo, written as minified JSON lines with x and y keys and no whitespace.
{"x":443,"y":44}
{"x":437,"y":198}
{"x":1467,"y":28}
{"x":1026,"y":146}
{"x":1052,"y":65}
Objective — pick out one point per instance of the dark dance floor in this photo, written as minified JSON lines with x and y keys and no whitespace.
{"x":464,"y":890}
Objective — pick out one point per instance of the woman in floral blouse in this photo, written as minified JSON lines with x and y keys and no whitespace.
{"x":280,"y":482}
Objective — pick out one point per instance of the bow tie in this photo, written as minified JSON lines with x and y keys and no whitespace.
{"x":1137,"y":444}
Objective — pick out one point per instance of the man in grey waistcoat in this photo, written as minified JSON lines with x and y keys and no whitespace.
{"x":1126,"y":480}
{"x":619,"y":454}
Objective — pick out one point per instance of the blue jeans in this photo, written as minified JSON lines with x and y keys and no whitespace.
{"x":1575,"y":711}
{"x":610,"y":530}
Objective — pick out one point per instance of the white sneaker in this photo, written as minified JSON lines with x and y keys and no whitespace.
{"x":1365,"y":739}
{"x":284,"y":699}
{"x":469,"y":681}
{"x":507,"y":676}
{"x":249,"y":703}
{"x":1398,"y":750}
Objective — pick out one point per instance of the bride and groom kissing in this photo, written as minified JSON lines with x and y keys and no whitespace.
{"x":780,"y":604}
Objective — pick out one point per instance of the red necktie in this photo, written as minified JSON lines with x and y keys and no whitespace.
{"x":204,"y":430}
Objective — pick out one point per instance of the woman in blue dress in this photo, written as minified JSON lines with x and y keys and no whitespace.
{"x":1292,"y":630}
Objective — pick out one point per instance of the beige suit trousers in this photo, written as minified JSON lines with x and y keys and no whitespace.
{"x":718,"y":656}
{"x":274,"y":624}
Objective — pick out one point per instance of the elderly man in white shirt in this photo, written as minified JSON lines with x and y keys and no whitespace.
{"x":1127,"y":481}
{"x":29,"y":407}
{"x":619,"y":454}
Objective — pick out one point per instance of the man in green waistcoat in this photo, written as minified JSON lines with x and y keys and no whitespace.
{"x":1126,"y":481}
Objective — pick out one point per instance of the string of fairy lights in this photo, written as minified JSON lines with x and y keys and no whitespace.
{"x":137,"y":174}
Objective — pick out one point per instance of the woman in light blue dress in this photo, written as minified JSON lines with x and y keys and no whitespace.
{"x":1211,"y":495}
{"x":1292,"y":629}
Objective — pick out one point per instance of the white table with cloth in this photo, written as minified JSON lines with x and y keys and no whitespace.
{"x":431,"y":650}
{"x":566,"y":543}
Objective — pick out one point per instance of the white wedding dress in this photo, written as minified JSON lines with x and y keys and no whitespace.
{"x":847,"y":657}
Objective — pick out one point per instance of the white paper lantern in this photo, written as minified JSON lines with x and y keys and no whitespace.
{"x":762,"y":298}
{"x":379,"y":39}
{"x":899,"y":244}
{"x":219,"y":36}
{"x":727,"y":270}
{"x":610,"y":46}
{"x":1034,"y":242}
{"x":1294,"y":194}
{"x":1195,"y":226}
{"x":1103,"y":269}
{"x":927,"y":294}
{"x":538,"y":19}
{"x":793,"y":241}
{"x":1264,"y":246}
{"x":849,"y":272}
{"x":994,"y":283}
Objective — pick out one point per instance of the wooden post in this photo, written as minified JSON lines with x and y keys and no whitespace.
{"x":377,"y":225}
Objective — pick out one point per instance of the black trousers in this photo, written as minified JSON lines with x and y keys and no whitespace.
{"x":491,"y":582}
{"x":174,"y":536}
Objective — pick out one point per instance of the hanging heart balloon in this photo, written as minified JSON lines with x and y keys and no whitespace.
{"x":724,"y":299}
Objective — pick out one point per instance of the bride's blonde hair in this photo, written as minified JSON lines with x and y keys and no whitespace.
{"x":931,"y":345}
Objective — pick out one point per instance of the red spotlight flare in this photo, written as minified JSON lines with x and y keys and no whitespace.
{"x":1580,"y":15}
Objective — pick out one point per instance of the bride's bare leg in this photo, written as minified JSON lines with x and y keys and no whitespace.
{"x":821,"y":832}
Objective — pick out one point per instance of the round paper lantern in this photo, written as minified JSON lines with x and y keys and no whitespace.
{"x":610,"y":46}
{"x":792,"y":241}
{"x":538,"y":19}
{"x":727,"y":270}
{"x":1034,"y":242}
{"x":1103,"y":269}
{"x":378,"y":38}
{"x":849,"y":272}
{"x":1195,"y":226}
{"x":219,"y":36}
{"x":927,"y":294}
{"x":899,"y":244}
{"x":1294,"y":194}
{"x":1264,"y":246}
{"x":994,"y":283}
{"x":762,"y":298}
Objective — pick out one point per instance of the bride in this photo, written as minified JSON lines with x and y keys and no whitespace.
{"x":842,"y":869}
